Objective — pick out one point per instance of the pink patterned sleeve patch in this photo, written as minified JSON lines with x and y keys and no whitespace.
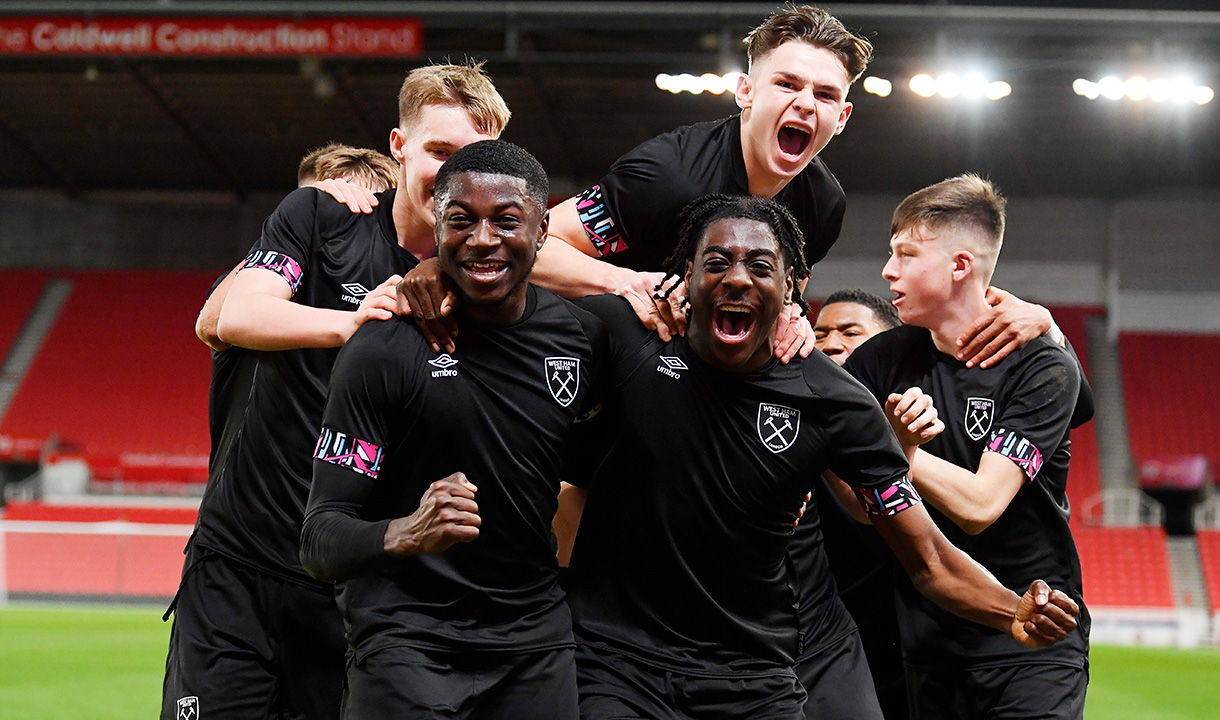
{"x":278,"y":263}
{"x":345,"y":451}
{"x":1018,"y":449}
{"x":599,"y":226}
{"x":890,"y":500}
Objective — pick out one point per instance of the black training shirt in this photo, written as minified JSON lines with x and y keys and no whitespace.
{"x":255,"y":498}
{"x":631,"y":216}
{"x":695,"y":477}
{"x":399,"y":417}
{"x":1019,"y":408}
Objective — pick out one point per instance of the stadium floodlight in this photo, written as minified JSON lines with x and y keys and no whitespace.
{"x":948,"y":85}
{"x":707,"y":82}
{"x":1158,"y":90}
{"x":1181,"y":89}
{"x":1137,"y":88}
{"x":1111,"y":87}
{"x":1085,"y":88}
{"x":878,"y":86}
{"x":974,"y":86}
{"x":1203,"y":95}
{"x":923,"y":85}
{"x":997,"y":89}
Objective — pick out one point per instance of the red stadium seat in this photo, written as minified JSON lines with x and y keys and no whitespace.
{"x":1209,"y":557}
{"x":121,"y":379}
{"x":1084,"y":472}
{"x":1124,"y":567}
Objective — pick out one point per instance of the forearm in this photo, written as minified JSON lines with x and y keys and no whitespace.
{"x":570,"y":273}
{"x":265,"y":322}
{"x":961,"y":495}
{"x":336,"y":546}
{"x":954,"y":581}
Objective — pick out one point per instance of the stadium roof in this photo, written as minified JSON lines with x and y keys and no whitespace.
{"x":579,"y":78}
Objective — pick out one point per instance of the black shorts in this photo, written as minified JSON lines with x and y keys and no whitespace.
{"x":614,"y":687}
{"x":1029,"y":692}
{"x":246,"y":644}
{"x":838,"y":682}
{"x":405,"y":682}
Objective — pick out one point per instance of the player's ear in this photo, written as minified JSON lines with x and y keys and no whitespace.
{"x":963,"y":264}
{"x":542,"y":226}
{"x":686,"y":275}
{"x":397,"y":139}
{"x":744,"y":93}
{"x":843,"y":115}
{"x":789,"y":285}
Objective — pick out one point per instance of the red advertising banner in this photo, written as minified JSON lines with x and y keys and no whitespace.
{"x":211,"y":36}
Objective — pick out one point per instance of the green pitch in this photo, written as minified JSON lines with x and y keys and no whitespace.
{"x":71,"y":662}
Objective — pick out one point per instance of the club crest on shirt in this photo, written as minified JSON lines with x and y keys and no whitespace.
{"x":563,"y":378}
{"x":778,"y":426}
{"x":188,"y":708}
{"x":979,"y":414}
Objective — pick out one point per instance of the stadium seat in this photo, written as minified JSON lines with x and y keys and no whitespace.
{"x":1124,"y":566}
{"x":1170,"y":386}
{"x":1084,"y":472}
{"x":21,"y":291}
{"x":121,"y":380}
{"x":1209,"y":557}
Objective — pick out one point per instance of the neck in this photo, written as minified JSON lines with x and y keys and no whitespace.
{"x":509,"y":310}
{"x":762,"y":183}
{"x":961,"y":310}
{"x":415,"y":234}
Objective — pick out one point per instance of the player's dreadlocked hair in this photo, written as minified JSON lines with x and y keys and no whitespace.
{"x":701,"y":213}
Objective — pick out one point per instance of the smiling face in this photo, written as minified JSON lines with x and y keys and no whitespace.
{"x":488,"y":232}
{"x":737,"y":285}
{"x":842,"y":327}
{"x":793,"y":102}
{"x":421,"y":149}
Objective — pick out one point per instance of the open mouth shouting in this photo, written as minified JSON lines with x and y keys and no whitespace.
{"x":794,"y":139}
{"x":732,"y":322}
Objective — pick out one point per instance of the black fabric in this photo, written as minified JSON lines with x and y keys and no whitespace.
{"x":863,"y":568}
{"x":1026,"y":400}
{"x":247,"y":646}
{"x":259,"y":481}
{"x":404,"y":682}
{"x":646,"y":189}
{"x":1005,"y":693}
{"x":681,"y":556}
{"x":400,"y":417}
{"x":618,"y":687}
{"x":838,"y":683}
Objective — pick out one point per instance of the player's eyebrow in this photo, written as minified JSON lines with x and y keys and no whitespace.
{"x":802,"y":80}
{"x":756,"y":252}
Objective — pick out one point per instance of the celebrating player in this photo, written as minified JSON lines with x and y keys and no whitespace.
{"x":679,"y":582}
{"x":435,"y":478}
{"x":254,"y":635}
{"x":995,"y":477}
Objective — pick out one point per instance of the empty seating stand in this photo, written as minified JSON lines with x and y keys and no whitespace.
{"x":1125,"y":567}
{"x":21,"y":289}
{"x":121,"y":380}
{"x":1171,"y":388}
{"x":1084,"y":472}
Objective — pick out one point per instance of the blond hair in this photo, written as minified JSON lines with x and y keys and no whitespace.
{"x":465,"y":86}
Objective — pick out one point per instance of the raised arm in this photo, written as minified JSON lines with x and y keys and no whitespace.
{"x":972,"y":500}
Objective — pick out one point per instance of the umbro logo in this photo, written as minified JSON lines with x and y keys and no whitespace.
{"x":445,"y":363}
{"x":670,"y":365}
{"x":355,"y":292}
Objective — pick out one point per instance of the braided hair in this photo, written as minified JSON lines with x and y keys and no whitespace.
{"x":701,"y":213}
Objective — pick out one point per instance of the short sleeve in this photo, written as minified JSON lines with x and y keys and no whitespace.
{"x":367,"y":388}
{"x":636,"y":204}
{"x":1039,"y":402}
{"x":865,"y":454}
{"x":285,"y":244}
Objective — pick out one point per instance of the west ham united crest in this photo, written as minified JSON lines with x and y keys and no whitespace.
{"x":188,"y":708}
{"x":778,"y":426}
{"x":563,"y":378}
{"x":979,"y":414}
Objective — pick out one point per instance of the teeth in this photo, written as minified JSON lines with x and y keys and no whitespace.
{"x":734,"y":308}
